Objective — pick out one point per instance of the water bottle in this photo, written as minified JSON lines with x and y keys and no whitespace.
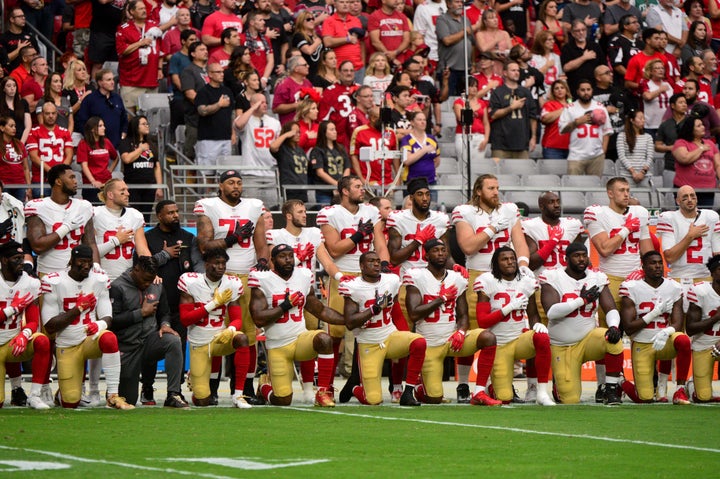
{"x":594,"y":31}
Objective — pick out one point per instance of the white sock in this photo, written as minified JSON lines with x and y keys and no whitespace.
{"x":307,"y":387}
{"x":600,"y":373}
{"x":662,"y":377}
{"x":94,"y":370}
{"x":238,"y":393}
{"x":479,"y":389}
{"x":463,"y":373}
{"x":613,"y":380}
{"x":111,"y":365}
{"x":397,"y":387}
{"x":532,"y":381}
{"x":16,"y":382}
{"x":35,"y":389}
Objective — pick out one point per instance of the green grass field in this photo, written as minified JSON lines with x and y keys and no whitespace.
{"x":365,"y":442}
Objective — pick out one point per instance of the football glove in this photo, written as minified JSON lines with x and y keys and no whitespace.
{"x":385,"y":267}
{"x":19,"y":344}
{"x":305,"y":253}
{"x":262,"y":265}
{"x":423,"y":235}
{"x":448,"y":293}
{"x":462,"y":270}
{"x":632,"y":224}
{"x":222,"y":297}
{"x":225,"y":336}
{"x":21,"y":302}
{"x":540,"y":328}
{"x":86,"y":302}
{"x":525,"y":271}
{"x":661,"y":337}
{"x":245,"y":231}
{"x":96,"y":327}
{"x":363,"y":229}
{"x":500,"y":224}
{"x":6,"y":226}
{"x":613,"y":335}
{"x":518,"y":302}
{"x":382,"y":301}
{"x":589,"y":295}
{"x":555,"y":233}
{"x":636,"y":275}
{"x":457,"y":340}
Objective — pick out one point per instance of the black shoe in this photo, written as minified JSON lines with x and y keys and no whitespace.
{"x":18,"y":397}
{"x":213,"y":400}
{"x":147,"y":397}
{"x":600,"y":394}
{"x":346,"y":393}
{"x":516,"y":399}
{"x":408,"y":397}
{"x":613,"y":395}
{"x":463,"y":394}
{"x":254,"y":400}
{"x":176,"y":400}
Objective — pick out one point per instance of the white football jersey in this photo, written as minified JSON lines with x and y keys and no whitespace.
{"x":379,"y":327}
{"x":538,"y":230}
{"x":440,"y":325}
{"x":405,"y":223}
{"x":586,"y":141}
{"x":256,"y":137}
{"x":501,"y":292}
{"x":202,"y":290}
{"x":645,"y":298}
{"x":53,"y":215}
{"x":673,"y":226}
{"x":478,"y":221}
{"x":704,"y":296}
{"x":626,"y":258}
{"x":106,"y":224}
{"x":291,"y":324}
{"x":224,"y":218}
{"x":307,"y":236}
{"x":346,"y":224}
{"x":576,"y":325}
{"x":25,"y":284}
{"x":60,"y":293}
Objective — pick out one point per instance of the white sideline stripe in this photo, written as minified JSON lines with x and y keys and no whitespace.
{"x":514,"y":429}
{"x":115,"y":463}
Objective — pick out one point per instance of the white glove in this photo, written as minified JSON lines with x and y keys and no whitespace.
{"x":102,"y":326}
{"x":154,"y":32}
{"x":525,"y":271}
{"x":540,"y":328}
{"x":519,"y":302}
{"x":654,"y":313}
{"x":661,"y":337}
{"x":500,"y":224}
{"x":667,"y":305}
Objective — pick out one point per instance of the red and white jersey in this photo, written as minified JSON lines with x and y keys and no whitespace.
{"x":627,"y":257}
{"x":656,"y":108}
{"x":50,"y":146}
{"x":645,"y":298}
{"x":11,"y":207}
{"x":440,"y":325}
{"x":256,"y":137}
{"x":538,"y":230}
{"x":704,"y":296}
{"x":106,"y":224}
{"x":572,"y":328}
{"x":672,"y":227}
{"x":202,"y":290}
{"x":336,"y":106}
{"x":346,"y":224}
{"x":53,"y":216}
{"x":405,"y":223}
{"x":60,"y":293}
{"x":478,"y":221}
{"x":224,"y":219}
{"x":289,"y":326}
{"x":501,"y":292}
{"x":25,"y":284}
{"x":379,"y":327}
{"x":307,"y":236}
{"x":483,"y":81}
{"x":586,"y":140}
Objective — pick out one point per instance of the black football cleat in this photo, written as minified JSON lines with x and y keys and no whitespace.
{"x":408,"y":397}
{"x":600,"y":394}
{"x":176,"y":400}
{"x":613,"y":395}
{"x":463,"y":393}
{"x":18,"y":397}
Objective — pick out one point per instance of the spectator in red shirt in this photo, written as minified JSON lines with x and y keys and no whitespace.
{"x":171,"y":43}
{"x":230,"y":40}
{"x":138,"y":50}
{"x":261,"y":52}
{"x":94,"y":154}
{"x":287,"y":92}
{"x":389,"y":31}
{"x":32,"y":90}
{"x":307,"y":118}
{"x":218,"y":21}
{"x":381,"y":171}
{"x":342,"y":32}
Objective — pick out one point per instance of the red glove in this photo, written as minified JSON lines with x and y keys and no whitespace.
{"x":423,"y":235}
{"x":346,"y":277}
{"x":19,"y":343}
{"x":457,"y":340}
{"x":632,"y":224}
{"x":556,"y":233}
{"x":305,"y":253}
{"x":462,"y":270}
{"x":21,"y":302}
{"x":448,"y":294}
{"x":297,"y":299}
{"x":92,"y":329}
{"x":86,"y":302}
{"x":636,"y":275}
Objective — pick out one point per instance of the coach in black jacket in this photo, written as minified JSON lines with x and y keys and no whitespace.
{"x":141,"y":322}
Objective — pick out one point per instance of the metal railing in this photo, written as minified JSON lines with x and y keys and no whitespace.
{"x":50,"y":47}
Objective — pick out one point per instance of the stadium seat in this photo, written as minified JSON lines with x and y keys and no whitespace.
{"x":597,"y":198}
{"x":450,"y":199}
{"x":573,"y":202}
{"x":518,"y":167}
{"x":156,"y":107}
{"x":530,"y":198}
{"x":549,"y":181}
{"x":610,"y":169}
{"x":447,"y":165}
{"x":480,"y":166}
{"x":450,"y":179}
{"x":552,"y":167}
{"x":506,"y":180}
{"x":590,"y":181}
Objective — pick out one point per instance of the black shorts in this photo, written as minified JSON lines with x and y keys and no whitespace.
{"x":102,"y":48}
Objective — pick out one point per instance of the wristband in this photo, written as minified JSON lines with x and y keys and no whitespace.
{"x":612,"y":318}
{"x":210,"y":306}
{"x":489,"y":231}
{"x":337,"y":276}
{"x":27,"y":333}
{"x":523,"y":258}
{"x":9,"y":311}
{"x":650,"y":317}
{"x":356,"y":237}
{"x":102,"y":325}
{"x":114,"y":240}
{"x":624,"y":232}
{"x":62,"y":231}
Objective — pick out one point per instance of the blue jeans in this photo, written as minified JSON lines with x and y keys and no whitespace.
{"x":555,"y":153}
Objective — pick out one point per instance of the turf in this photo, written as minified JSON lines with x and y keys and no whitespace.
{"x":429,"y":442}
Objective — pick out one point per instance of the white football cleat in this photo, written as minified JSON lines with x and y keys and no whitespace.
{"x":92,"y":400}
{"x":36,"y":402}
{"x":308,"y":393}
{"x":531,"y":393}
{"x":543,"y":399}
{"x":240,"y":402}
{"x":46,"y":395}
